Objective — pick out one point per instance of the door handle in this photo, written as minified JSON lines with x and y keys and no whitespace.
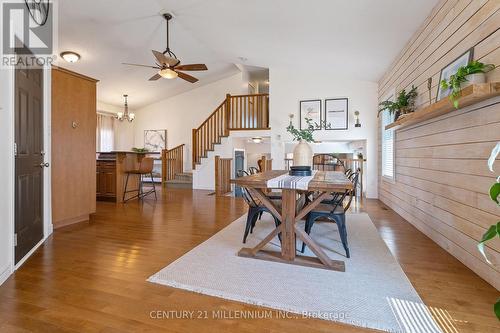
{"x":44,"y":165}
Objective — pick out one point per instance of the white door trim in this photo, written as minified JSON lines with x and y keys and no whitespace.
{"x":47,"y":202}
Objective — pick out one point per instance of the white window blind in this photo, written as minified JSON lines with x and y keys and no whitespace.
{"x":387,"y":146}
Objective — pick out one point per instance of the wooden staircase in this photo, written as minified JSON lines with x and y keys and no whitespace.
{"x":235,"y":113}
{"x":173,"y":168}
{"x":180,"y":180}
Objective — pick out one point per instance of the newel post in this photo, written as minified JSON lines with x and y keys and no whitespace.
{"x":217,"y":174}
{"x":228,"y":115}
{"x":194,"y":149}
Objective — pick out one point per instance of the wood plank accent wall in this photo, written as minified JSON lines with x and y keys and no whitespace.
{"x":441,"y":175}
{"x":73,"y":162}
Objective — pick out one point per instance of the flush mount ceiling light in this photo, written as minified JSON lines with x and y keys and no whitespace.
{"x":167,"y":64}
{"x":70,"y":56}
{"x":257,"y":139}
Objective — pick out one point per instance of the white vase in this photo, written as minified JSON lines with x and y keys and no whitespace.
{"x":302,"y":154}
{"x":473,"y":79}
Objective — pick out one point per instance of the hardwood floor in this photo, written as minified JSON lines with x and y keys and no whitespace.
{"x":91,"y":277}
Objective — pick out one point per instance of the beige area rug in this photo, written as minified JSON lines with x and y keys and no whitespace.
{"x":373,"y":292}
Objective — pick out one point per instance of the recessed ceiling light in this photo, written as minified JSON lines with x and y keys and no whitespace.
{"x":70,"y":56}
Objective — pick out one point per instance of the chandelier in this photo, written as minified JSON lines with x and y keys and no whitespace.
{"x":125,"y":114}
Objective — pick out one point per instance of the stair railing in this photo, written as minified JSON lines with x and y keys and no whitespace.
{"x":172,"y":162}
{"x":241,"y":112}
{"x":222,"y":175}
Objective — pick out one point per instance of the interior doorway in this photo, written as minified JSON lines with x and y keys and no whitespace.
{"x":29,"y":160}
{"x":239,"y":164}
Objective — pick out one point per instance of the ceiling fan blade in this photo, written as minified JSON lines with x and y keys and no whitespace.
{"x":165,"y":60}
{"x":155,"y":77}
{"x":192,"y":67}
{"x":148,"y":66}
{"x":187,"y":77}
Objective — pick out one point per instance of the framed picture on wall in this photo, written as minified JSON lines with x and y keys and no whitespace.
{"x":337,"y":113}
{"x":310,"y":109}
{"x":451,"y":69}
{"x":155,"y":140}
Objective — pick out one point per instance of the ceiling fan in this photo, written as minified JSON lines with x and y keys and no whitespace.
{"x":167,"y":64}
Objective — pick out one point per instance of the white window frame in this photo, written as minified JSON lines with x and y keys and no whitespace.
{"x":388,"y":138}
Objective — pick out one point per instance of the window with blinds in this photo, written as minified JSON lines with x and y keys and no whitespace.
{"x":387,"y":146}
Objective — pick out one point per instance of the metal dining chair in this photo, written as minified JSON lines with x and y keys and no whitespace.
{"x":253,"y":170}
{"x":255,"y":210}
{"x":334,"y":212}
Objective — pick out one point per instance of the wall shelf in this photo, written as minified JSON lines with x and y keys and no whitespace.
{"x":470,"y":95}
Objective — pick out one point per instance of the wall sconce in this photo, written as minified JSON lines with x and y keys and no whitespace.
{"x":356,"y":119}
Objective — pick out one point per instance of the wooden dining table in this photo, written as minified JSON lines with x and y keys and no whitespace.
{"x":323,"y":184}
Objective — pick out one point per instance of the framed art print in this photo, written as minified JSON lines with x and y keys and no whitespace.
{"x":451,"y":69}
{"x":310,"y":109}
{"x":155,"y":140}
{"x":336,"y":113}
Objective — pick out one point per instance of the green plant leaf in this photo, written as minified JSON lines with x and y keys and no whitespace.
{"x":496,"y":308}
{"x":493,"y":156}
{"x":493,"y":231}
{"x":495,"y":192}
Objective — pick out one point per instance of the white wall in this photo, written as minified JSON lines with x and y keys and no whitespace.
{"x":204,"y":174}
{"x":290,"y":85}
{"x":124,"y":130}
{"x":7,"y":174}
{"x":181,"y":113}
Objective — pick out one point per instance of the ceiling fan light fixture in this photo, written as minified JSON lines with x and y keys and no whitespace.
{"x":167,"y":73}
{"x":70,"y":56}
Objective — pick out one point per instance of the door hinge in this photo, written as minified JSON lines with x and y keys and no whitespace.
{"x":15,"y":149}
{"x":15,"y":239}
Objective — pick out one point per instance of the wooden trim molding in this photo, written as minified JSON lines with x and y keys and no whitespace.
{"x":70,"y":72}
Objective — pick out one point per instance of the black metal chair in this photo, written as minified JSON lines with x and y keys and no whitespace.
{"x":255,"y":210}
{"x":348,"y":172}
{"x":334,"y":212}
{"x":253,"y":170}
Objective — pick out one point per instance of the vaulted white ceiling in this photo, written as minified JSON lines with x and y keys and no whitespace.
{"x":357,"y":38}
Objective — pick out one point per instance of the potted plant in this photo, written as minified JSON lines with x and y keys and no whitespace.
{"x":403,"y":105}
{"x":473,"y":73}
{"x":302,"y":153}
{"x":494,"y":231}
{"x":140,"y":150}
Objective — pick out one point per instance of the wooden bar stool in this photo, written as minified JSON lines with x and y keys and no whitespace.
{"x":145,"y":168}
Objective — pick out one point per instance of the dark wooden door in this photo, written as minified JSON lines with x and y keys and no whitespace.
{"x":29,"y":160}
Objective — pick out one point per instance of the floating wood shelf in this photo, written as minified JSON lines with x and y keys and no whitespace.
{"x":470,"y":95}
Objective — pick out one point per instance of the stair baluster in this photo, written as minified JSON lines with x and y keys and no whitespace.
{"x":240,"y":112}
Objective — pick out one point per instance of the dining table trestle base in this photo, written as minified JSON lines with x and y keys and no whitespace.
{"x":289,"y":214}
{"x":300,"y":260}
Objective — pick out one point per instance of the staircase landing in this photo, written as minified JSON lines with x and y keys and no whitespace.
{"x":181,"y":180}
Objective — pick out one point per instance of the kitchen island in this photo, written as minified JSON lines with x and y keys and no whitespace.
{"x":111,"y":174}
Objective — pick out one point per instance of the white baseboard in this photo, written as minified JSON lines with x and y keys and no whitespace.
{"x":4,"y":274}
{"x":21,"y":262}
